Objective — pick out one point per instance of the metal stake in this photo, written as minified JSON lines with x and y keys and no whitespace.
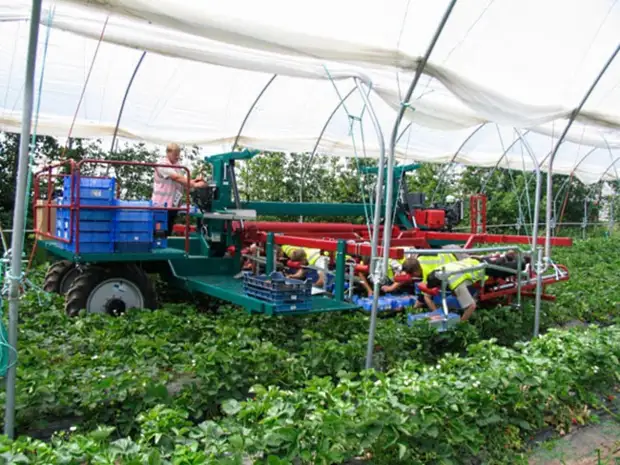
{"x":17,"y":240}
{"x":539,"y":274}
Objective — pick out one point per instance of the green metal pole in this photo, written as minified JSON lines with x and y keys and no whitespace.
{"x":270,"y":252}
{"x":340,"y":268}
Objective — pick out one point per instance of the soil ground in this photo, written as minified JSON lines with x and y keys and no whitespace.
{"x":582,"y":447}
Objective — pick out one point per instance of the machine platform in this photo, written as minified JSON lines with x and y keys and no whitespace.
{"x":230,"y":289}
{"x":156,"y":255}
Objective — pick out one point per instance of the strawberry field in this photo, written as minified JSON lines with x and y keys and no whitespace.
{"x":186,"y":385}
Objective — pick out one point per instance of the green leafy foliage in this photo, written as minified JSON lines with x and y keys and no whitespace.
{"x":482,"y":406}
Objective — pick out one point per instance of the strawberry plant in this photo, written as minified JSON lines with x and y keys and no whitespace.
{"x":180,"y":386}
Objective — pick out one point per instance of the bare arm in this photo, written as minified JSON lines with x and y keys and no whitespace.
{"x":429,"y":302}
{"x":365,"y":284}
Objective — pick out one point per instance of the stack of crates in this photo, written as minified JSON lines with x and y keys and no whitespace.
{"x":96,"y":225}
{"x":287,"y":295}
{"x":133,"y":228}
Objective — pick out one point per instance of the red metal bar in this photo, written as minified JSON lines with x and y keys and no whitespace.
{"x":330,"y":245}
{"x":494,"y":238}
{"x":283,"y":226}
{"x":418,"y":242}
{"x":48,"y":206}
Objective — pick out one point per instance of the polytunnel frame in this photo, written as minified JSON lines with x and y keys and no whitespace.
{"x":22,"y":171}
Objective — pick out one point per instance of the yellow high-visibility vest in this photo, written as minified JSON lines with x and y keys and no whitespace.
{"x":429,"y":263}
{"x":456,"y":279}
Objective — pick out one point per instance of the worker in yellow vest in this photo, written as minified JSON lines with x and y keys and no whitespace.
{"x":460,"y":277}
{"x":307,"y":257}
{"x":418,"y":266}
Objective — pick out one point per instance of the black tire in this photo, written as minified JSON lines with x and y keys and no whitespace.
{"x":77,"y":298}
{"x":59,"y":277}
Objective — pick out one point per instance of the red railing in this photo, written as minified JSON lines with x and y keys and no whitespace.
{"x":75,"y":204}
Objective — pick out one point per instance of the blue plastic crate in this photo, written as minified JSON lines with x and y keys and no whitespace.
{"x":86,"y":226}
{"x":93,"y":247}
{"x":120,"y":236}
{"x":286,"y":308}
{"x":160,"y":243}
{"x":384,"y":304}
{"x":86,"y":214}
{"x":160,"y":220}
{"x":277,"y":289}
{"x":133,"y":247}
{"x":436,"y":319}
{"x":130,"y":227}
{"x":133,"y":215}
{"x":92,"y":191}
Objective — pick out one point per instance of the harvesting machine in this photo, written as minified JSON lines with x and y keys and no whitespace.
{"x":106,"y":248}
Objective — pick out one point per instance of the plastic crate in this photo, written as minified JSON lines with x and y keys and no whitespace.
{"x":384,"y":304}
{"x":133,"y":215}
{"x":160,"y":220}
{"x":160,"y":243}
{"x":133,"y":247}
{"x":92,"y":191}
{"x":85,"y":226}
{"x":92,"y":247}
{"x":286,"y":308}
{"x":277,"y":289}
{"x":146,"y":236}
{"x":436,"y":319}
{"x":130,"y":227}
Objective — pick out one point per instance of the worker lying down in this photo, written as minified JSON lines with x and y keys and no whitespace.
{"x":461,"y":277}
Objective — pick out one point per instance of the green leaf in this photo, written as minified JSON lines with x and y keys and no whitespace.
{"x":231,"y":407}
{"x":402,"y":450}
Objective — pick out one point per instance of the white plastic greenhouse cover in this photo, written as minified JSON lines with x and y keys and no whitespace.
{"x":499,"y":88}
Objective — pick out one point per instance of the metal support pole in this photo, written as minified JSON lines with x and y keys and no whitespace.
{"x":584,"y":222}
{"x":374,"y":245}
{"x":537,"y":193}
{"x":401,"y":113}
{"x":340,"y":270}
{"x":519,"y":275}
{"x":539,"y":274}
{"x":17,"y":240}
{"x":351,"y":281}
{"x":557,"y":146}
{"x":120,"y":111}
{"x":270,"y":254}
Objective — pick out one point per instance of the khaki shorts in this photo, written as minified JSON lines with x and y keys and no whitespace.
{"x":463,"y":295}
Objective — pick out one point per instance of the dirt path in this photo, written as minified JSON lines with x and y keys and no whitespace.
{"x":581,"y":447}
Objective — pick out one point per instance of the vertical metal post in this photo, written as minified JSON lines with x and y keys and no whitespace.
{"x":340,"y":269}
{"x":374,"y":245}
{"x":351,"y":280}
{"x":270,"y":252}
{"x":611,"y":214}
{"x":539,"y":273}
{"x":584,"y":222}
{"x":537,"y":193}
{"x":519,"y":264}
{"x":17,"y":240}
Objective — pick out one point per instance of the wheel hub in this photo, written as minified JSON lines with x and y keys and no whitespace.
{"x":114,"y":297}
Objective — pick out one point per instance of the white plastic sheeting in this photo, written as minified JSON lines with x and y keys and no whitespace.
{"x":499,"y":87}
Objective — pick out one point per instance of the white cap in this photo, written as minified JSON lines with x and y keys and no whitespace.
{"x":450,"y":199}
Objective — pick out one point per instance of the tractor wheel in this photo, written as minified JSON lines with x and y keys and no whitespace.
{"x":112,"y":291}
{"x":59,"y":277}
